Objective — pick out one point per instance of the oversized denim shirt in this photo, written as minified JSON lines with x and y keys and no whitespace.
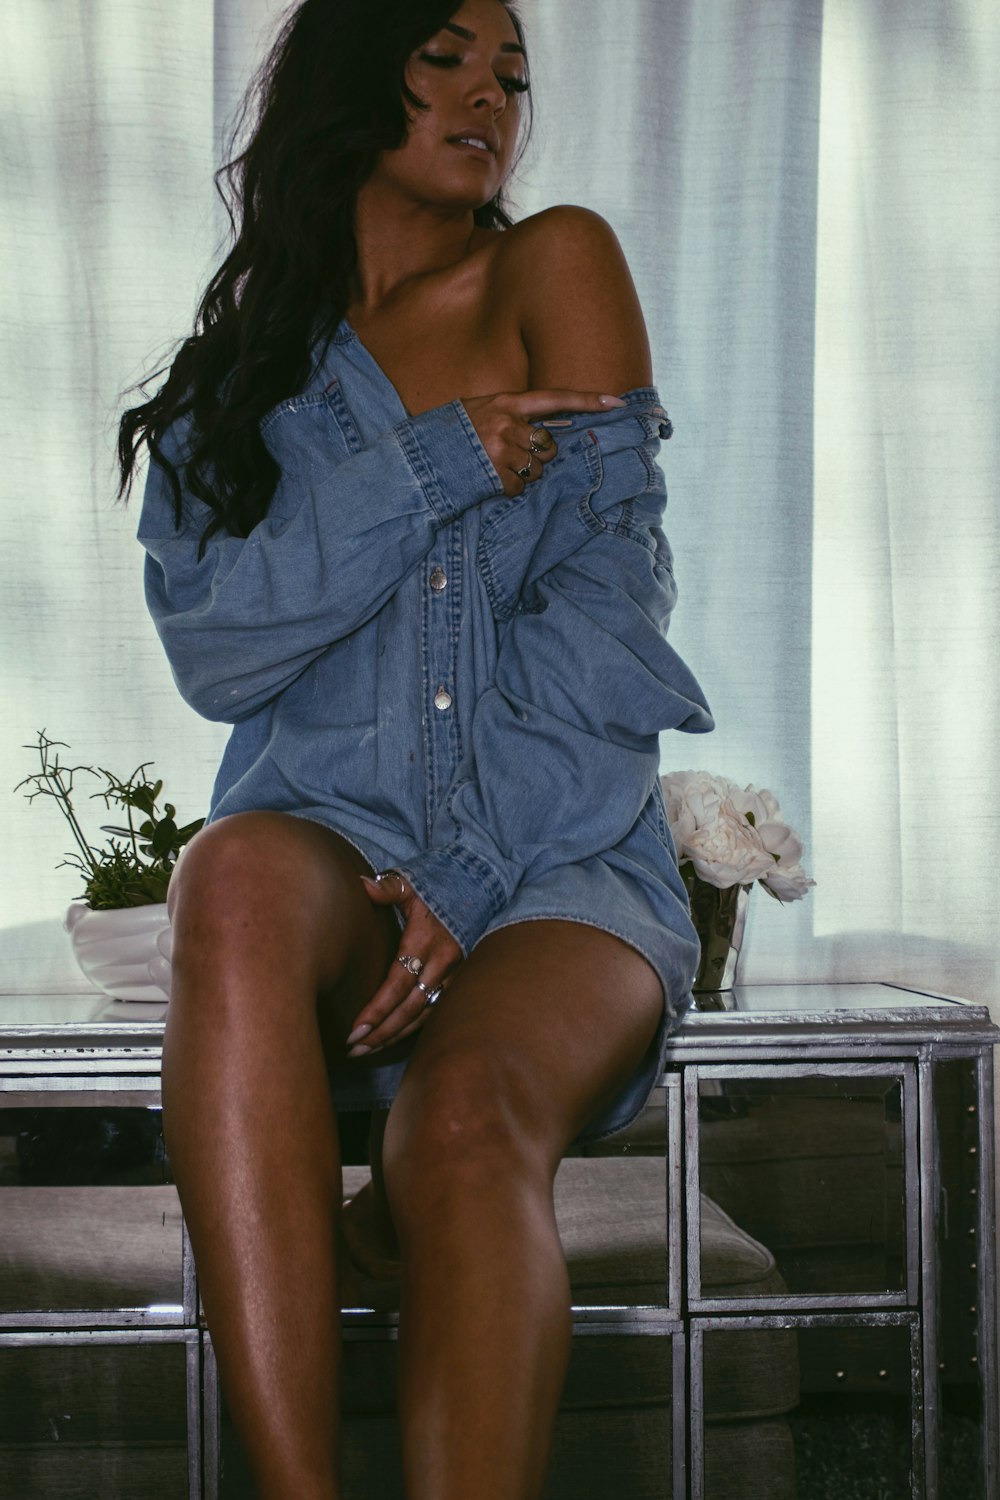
{"x":465,"y":685}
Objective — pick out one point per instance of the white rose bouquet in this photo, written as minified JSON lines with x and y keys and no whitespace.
{"x":726,"y":839}
{"x":729,"y":837}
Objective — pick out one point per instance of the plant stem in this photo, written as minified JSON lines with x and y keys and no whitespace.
{"x":64,"y":797}
{"x":131,"y":825}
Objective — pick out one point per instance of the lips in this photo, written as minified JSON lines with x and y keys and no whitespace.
{"x":484,"y":138}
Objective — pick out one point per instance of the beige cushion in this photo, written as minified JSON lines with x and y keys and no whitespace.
{"x":611,"y":1213}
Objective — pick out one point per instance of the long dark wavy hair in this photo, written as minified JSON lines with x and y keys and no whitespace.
{"x":328,"y":99}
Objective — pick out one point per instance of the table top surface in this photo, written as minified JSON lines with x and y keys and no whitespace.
{"x":69,"y":1022}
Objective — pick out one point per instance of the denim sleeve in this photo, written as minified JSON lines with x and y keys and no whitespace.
{"x":241,"y":622}
{"x":565,"y":747}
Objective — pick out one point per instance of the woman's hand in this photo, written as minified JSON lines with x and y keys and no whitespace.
{"x":512,"y":430}
{"x":404,"y":1000}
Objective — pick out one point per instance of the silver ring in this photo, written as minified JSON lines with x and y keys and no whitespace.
{"x":431,"y":996}
{"x":534,"y":444}
{"x":524,"y":473}
{"x":411,"y":963}
{"x":388,"y":875}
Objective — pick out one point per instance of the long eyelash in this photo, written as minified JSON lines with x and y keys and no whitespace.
{"x":451,"y":60}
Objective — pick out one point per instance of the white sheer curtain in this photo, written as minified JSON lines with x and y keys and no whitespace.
{"x":807,"y":194}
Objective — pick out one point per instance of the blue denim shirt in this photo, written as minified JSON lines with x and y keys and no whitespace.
{"x":465,"y":685}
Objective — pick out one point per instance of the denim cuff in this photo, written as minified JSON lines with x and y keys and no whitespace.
{"x":460,"y":889}
{"x":450,"y":463}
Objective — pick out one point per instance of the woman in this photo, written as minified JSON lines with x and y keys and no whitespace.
{"x":433,"y":611}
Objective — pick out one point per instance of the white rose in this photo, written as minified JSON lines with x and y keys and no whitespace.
{"x":733,"y":836}
{"x":728,"y":851}
{"x":693,"y":800}
{"x":763,"y":804}
{"x":787,"y":882}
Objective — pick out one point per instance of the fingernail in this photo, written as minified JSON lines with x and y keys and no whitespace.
{"x":612,"y":401}
{"x":358,"y":1033}
{"x":360,"y":1051}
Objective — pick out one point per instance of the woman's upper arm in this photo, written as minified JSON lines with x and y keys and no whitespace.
{"x":580,"y":317}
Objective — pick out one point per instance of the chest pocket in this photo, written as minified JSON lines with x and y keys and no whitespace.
{"x":523,"y":536}
{"x":308,"y":435}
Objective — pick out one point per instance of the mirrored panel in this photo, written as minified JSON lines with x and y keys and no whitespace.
{"x":808,"y":1413}
{"x":89,"y":1219}
{"x":613,"y":1210}
{"x":612,"y":1217}
{"x":959,"y":1261}
{"x":803,"y":1186}
{"x":82,"y":1421}
{"x":612,"y":1436}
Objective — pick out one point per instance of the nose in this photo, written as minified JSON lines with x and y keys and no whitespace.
{"x":487,"y":93}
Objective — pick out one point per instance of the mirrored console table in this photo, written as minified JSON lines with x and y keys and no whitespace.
{"x":783,"y":1273}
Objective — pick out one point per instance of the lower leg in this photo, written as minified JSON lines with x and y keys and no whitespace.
{"x":484,"y":1337}
{"x":540,"y":1029}
{"x":252,"y":1144}
{"x":252,"y":1141}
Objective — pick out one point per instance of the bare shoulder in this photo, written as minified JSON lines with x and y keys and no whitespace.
{"x":566,"y":274}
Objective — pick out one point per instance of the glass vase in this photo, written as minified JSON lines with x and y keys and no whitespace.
{"x":719,"y":917}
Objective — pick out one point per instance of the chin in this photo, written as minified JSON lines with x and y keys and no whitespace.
{"x":466,"y":199}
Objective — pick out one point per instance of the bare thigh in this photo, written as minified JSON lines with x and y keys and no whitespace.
{"x":273,"y":904}
{"x":541,"y":1027}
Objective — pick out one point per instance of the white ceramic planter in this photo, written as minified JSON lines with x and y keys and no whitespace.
{"x":125,"y":953}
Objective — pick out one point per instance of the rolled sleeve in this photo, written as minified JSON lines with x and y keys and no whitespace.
{"x":448,"y":460}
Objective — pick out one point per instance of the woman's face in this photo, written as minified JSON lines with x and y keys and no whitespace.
{"x":472,"y":75}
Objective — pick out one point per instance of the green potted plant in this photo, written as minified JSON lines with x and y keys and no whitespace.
{"x":119,"y":930}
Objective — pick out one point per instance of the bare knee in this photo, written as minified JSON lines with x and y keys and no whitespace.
{"x":463,"y":1128}
{"x":259,"y":881}
{"x":225,"y":868}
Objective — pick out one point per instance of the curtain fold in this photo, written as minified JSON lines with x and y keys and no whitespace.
{"x":807,"y":194}
{"x":905,"y":578}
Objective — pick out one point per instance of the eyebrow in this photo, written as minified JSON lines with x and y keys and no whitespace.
{"x":470,"y":36}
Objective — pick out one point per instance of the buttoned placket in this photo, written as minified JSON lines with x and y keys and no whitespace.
{"x":440,"y":624}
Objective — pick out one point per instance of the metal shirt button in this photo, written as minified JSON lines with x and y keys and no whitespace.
{"x":438,"y":580}
{"x":442,"y":698}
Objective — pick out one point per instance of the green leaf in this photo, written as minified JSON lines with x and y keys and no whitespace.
{"x":164,"y":836}
{"x":188,"y":831}
{"x":751,"y":820}
{"x":141,"y":798}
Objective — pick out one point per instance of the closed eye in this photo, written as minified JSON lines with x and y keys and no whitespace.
{"x":510,"y":85}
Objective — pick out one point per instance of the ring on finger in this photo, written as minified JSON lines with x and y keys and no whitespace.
{"x":525,"y":472}
{"x":540,"y":440}
{"x":392,"y":875}
{"x":431,"y":996}
{"x":411,"y":963}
